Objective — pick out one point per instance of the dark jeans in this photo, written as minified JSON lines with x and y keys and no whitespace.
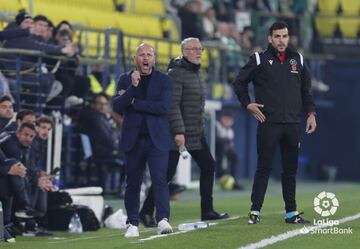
{"x":269,"y":135}
{"x":7,"y":209}
{"x":206,"y":162}
{"x":20,"y":188}
{"x":38,"y":199}
{"x":145,"y":151}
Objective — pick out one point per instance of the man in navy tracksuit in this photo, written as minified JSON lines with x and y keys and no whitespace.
{"x":282,"y":93}
{"x":144,"y":98}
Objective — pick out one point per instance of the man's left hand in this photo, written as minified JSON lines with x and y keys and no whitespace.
{"x":310,"y":124}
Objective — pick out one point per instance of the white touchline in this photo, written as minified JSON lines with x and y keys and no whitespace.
{"x":287,"y":235}
{"x":180,"y":232}
{"x":94,"y":237}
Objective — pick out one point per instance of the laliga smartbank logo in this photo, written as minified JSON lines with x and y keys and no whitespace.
{"x":326,"y":205}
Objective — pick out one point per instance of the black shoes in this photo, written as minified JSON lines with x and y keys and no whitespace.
{"x":147,"y":220}
{"x":297,"y":219}
{"x":212,"y":215}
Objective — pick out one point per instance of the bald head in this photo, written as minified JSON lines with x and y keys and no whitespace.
{"x":144,"y":58}
{"x":145,"y":46}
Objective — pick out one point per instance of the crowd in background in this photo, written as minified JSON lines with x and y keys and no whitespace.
{"x":231,"y":22}
{"x":57,"y":84}
{"x":61,"y":84}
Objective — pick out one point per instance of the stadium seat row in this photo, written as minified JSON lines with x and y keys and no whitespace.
{"x":326,"y":26}
{"x":331,"y":7}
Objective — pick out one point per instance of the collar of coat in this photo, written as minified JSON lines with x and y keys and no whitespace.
{"x":184,"y":63}
{"x":274,"y":52}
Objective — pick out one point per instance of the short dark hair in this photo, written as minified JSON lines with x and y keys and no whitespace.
{"x":24,"y":112}
{"x":64,"y":22}
{"x":227,"y":113}
{"x":41,"y":18}
{"x":27,"y":125}
{"x":44,"y":119}
{"x":101,"y":94}
{"x":5,"y":98}
{"x":50,"y":24}
{"x":276,"y":26}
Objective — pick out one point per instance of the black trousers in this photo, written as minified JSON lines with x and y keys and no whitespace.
{"x":206,"y":162}
{"x":269,"y":135}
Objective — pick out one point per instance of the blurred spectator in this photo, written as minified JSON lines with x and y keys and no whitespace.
{"x":96,"y":78}
{"x":75,"y":87}
{"x":24,"y":115}
{"x":247,"y":39}
{"x":38,"y":150}
{"x":225,"y":10}
{"x":6,"y":112}
{"x":48,"y":36}
{"x":243,"y":12}
{"x":41,"y":26}
{"x":209,"y":24}
{"x":98,"y":122}
{"x":229,"y":37}
{"x":191,"y":19}
{"x":227,"y":159}
{"x":40,"y":184}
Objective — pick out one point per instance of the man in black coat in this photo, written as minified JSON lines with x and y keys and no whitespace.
{"x":15,"y":146}
{"x":282,"y":93}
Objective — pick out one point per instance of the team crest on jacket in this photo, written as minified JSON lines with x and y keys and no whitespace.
{"x":293,"y":64}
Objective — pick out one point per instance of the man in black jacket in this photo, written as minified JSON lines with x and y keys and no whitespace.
{"x":15,"y":146}
{"x":282,"y":91}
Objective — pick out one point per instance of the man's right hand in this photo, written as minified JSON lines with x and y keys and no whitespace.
{"x":254,"y":108}
{"x":135,"y":78}
{"x":180,"y":140}
{"x":17,"y":169}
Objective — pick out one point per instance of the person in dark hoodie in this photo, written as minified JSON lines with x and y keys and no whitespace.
{"x":187,"y":127}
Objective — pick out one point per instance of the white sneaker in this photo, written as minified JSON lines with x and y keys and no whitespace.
{"x":164,"y":227}
{"x":132,"y":231}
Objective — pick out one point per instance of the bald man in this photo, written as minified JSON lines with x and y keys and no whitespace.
{"x":144,"y":98}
